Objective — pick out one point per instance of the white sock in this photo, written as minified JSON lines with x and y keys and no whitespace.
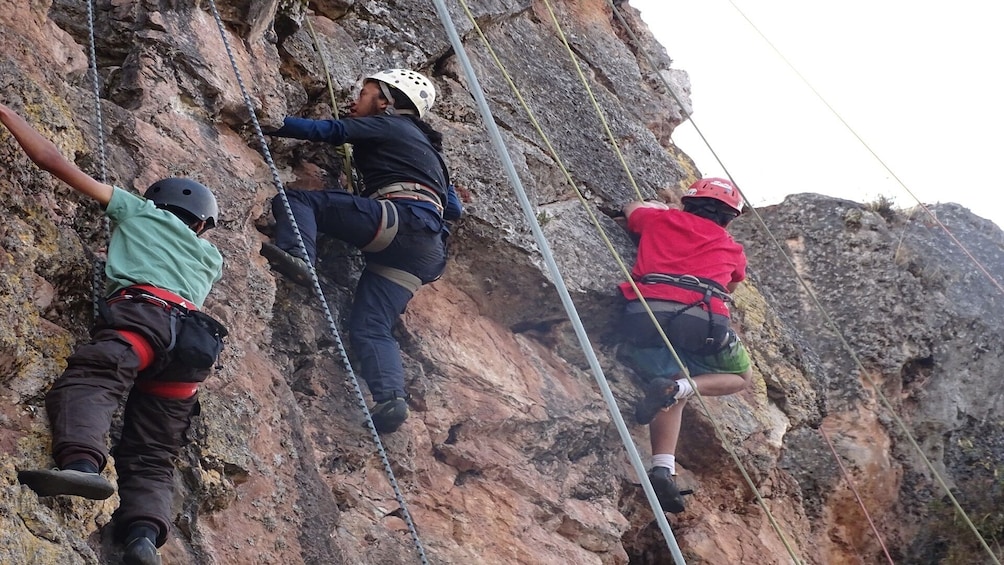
{"x":667,"y":460}
{"x":686,"y":390}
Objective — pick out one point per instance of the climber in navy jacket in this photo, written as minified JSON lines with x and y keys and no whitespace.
{"x":397,"y":218}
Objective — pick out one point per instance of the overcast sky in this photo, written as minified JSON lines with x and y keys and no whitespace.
{"x":920,"y":82}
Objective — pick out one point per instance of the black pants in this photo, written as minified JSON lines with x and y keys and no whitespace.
{"x":688,"y":327}
{"x":83,"y":400}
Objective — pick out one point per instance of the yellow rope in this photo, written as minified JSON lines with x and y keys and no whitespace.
{"x":345,"y":150}
{"x":596,"y":105}
{"x":867,"y":147}
{"x":627,"y":274}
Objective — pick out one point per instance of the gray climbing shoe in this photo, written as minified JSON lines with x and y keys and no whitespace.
{"x":52,"y":482}
{"x":670,"y":497}
{"x":389,"y":415}
{"x":293,"y":268}
{"x":660,"y":394}
{"x":141,"y":551}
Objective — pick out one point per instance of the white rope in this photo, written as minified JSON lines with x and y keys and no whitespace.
{"x":496,"y":138}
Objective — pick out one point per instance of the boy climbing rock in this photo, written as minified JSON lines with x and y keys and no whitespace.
{"x":150,"y":343}
{"x":686,"y":268}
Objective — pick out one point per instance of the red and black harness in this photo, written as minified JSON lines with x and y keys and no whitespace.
{"x":709,"y":290}
{"x":170,"y":302}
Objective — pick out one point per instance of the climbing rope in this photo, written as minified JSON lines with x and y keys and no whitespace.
{"x":495,"y":136}
{"x":840,"y":336}
{"x":345,"y":150}
{"x":361,"y":400}
{"x":627,"y":274}
{"x":899,"y":181}
{"x":98,"y":268}
{"x":854,"y":490}
{"x":592,"y":98}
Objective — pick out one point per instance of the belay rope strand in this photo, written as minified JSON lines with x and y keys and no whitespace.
{"x":496,"y":138}
{"x":868,"y":148}
{"x":320,"y":294}
{"x":98,"y":268}
{"x":345,"y":149}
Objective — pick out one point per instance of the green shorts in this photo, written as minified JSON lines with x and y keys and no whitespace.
{"x":655,"y":362}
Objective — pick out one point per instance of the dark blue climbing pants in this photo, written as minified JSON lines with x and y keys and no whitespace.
{"x":418,"y":249}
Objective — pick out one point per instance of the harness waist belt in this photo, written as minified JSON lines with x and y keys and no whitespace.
{"x":152,"y":294}
{"x":410,"y":191}
{"x":689,"y":282}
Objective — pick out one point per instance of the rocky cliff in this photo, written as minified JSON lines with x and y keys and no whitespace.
{"x":510,"y":455}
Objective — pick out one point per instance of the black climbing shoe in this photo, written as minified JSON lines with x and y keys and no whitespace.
{"x":660,"y":393}
{"x":50,"y":482}
{"x":670,"y":497}
{"x":293,"y":268}
{"x":141,"y":551}
{"x":389,"y":415}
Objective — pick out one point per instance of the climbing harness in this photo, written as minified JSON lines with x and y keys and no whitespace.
{"x":387,"y":231}
{"x":713,"y":341}
{"x":709,"y":288}
{"x":411,"y":191}
{"x":335,"y":334}
{"x":402,"y":278}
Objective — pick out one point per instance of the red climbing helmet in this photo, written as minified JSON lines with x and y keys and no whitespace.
{"x":721,"y":190}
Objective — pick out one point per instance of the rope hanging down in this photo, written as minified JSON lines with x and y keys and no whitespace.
{"x":345,"y":150}
{"x":592,"y":98}
{"x":98,"y":268}
{"x":626,"y":272}
{"x":840,"y":336}
{"x":899,"y":181}
{"x":495,"y":136}
{"x":320,"y":294}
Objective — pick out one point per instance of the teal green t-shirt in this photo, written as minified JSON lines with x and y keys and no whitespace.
{"x":154,"y":247}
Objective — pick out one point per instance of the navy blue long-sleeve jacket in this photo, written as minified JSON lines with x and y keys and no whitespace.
{"x":387,"y":149}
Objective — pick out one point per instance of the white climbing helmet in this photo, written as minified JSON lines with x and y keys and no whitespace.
{"x":416,"y":86}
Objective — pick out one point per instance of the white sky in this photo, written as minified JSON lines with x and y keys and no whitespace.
{"x":921,"y":82}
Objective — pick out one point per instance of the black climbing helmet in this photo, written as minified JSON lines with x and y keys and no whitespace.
{"x":187,"y":196}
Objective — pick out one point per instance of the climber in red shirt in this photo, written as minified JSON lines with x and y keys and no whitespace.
{"x":686,"y":269}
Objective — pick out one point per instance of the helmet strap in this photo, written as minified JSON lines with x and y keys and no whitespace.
{"x":386,"y":93}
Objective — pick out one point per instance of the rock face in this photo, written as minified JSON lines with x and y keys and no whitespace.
{"x":916,"y":296}
{"x":511,"y":454}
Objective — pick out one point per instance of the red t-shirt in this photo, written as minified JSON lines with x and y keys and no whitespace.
{"x":674,"y":242}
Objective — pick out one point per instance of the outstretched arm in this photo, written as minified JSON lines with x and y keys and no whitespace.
{"x":48,"y":158}
{"x":332,"y":131}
